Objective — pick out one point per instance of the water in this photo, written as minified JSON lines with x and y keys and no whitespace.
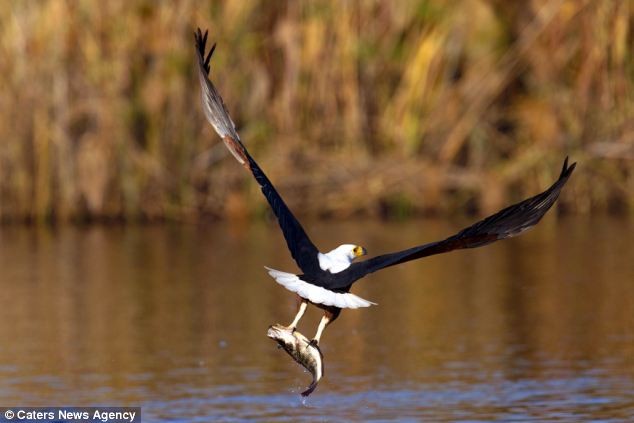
{"x":174,"y":319}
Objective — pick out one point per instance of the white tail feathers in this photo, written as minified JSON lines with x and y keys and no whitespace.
{"x":317,"y":294}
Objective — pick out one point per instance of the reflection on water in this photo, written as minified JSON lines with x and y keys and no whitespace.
{"x":174,"y":318}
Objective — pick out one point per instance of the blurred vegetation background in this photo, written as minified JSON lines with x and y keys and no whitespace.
{"x":371,"y":107}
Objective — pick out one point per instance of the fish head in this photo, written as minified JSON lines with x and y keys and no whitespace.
{"x":283,"y":336}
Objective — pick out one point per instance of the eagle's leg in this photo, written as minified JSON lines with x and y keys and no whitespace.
{"x":300,"y":312}
{"x":330,"y":315}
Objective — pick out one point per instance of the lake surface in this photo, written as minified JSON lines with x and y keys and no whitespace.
{"x":174,"y":319}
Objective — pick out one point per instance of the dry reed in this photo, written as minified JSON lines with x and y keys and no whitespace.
{"x":404,"y":107}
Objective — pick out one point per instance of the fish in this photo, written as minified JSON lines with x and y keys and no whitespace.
{"x":299,"y":347}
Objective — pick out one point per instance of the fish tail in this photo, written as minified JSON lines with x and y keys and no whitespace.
{"x":310,"y":389}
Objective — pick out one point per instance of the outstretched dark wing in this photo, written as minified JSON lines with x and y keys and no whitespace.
{"x":302,"y":249}
{"x":506,"y":223}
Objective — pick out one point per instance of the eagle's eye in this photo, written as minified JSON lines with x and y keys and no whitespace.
{"x":359,"y":251}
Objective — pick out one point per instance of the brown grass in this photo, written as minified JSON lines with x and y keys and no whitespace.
{"x":377,"y":107}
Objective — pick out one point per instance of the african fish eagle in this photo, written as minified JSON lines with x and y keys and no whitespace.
{"x":326,"y":278}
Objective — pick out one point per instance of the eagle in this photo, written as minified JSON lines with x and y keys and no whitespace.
{"x":326,"y":278}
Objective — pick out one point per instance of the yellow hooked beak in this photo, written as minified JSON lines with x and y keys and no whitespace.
{"x":359,"y":251}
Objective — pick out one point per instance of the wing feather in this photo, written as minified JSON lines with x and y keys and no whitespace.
{"x":301,"y":247}
{"x":506,"y":223}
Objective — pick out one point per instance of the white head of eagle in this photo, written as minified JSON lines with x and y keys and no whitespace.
{"x":340,"y":258}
